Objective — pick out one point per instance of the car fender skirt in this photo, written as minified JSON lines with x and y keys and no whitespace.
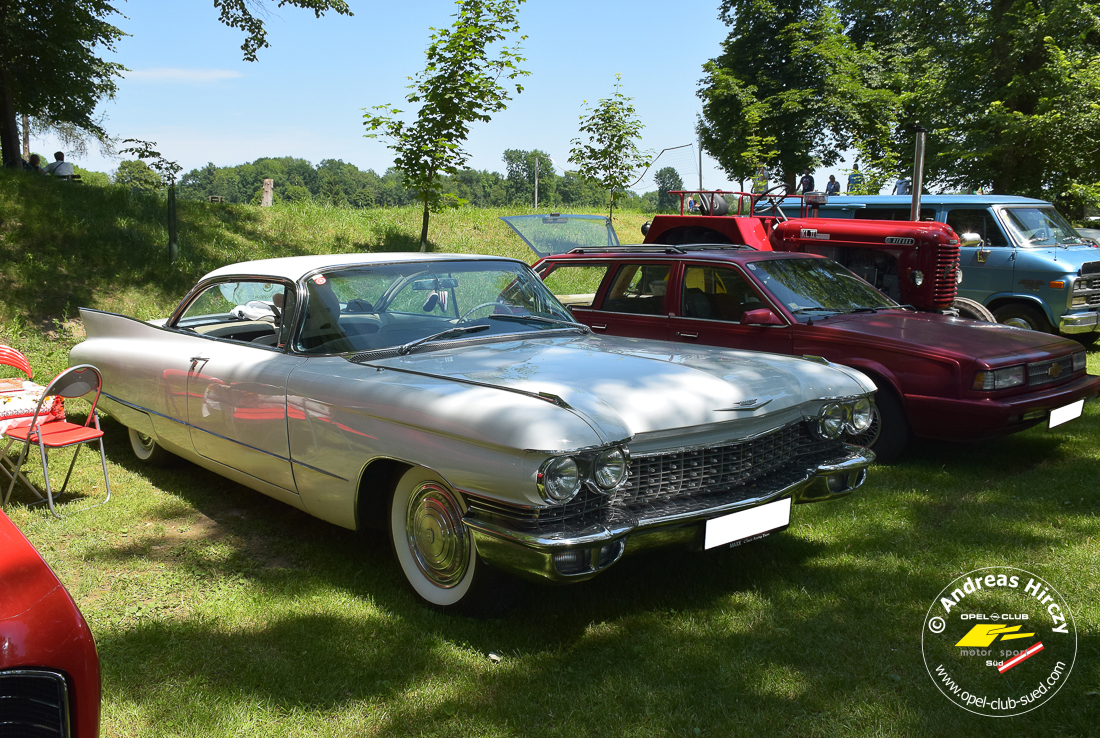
{"x":580,"y":551}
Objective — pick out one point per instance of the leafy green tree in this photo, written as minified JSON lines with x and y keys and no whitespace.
{"x":49,"y":67}
{"x":667,"y":179}
{"x":610,"y":155}
{"x":458,"y":86}
{"x":521,"y":168}
{"x":137,"y":175}
{"x":790,"y":89}
{"x":238,"y":14}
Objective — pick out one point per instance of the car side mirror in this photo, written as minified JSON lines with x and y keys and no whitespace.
{"x":761,"y":316}
{"x":970,"y":240}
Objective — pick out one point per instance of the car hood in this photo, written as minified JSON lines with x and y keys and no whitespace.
{"x":946,"y":335}
{"x":623,"y":387}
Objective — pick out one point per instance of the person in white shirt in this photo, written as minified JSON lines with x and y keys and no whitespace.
{"x":60,"y":167}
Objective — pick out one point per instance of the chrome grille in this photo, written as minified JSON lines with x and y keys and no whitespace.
{"x":947,"y":263}
{"x":703,"y":471}
{"x":1040,"y":373}
{"x":696,"y":477}
{"x":33,"y":703}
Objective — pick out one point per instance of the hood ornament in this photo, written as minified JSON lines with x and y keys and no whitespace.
{"x":750,"y":404}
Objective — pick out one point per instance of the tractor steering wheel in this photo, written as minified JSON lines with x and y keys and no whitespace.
{"x":774,"y":196}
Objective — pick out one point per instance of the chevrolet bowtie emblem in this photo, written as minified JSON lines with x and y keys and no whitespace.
{"x":1054,"y":370}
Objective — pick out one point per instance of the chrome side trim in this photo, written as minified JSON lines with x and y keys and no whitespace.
{"x":293,"y":461}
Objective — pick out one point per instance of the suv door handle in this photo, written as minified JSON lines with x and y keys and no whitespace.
{"x":598,"y":327}
{"x":687,"y":335}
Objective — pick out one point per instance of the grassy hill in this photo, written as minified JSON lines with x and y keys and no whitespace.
{"x":65,"y":246}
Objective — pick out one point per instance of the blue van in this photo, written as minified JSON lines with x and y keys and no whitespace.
{"x":1030,"y":268}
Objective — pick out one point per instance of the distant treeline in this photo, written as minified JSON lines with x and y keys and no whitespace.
{"x":338,"y":183}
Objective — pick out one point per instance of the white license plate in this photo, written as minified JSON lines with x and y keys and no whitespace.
{"x":1065,"y":414}
{"x":747,"y":523}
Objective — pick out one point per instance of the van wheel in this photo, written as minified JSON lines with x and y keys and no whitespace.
{"x":972,"y":310}
{"x":148,"y":451}
{"x":436,"y":551}
{"x":1023,"y":316}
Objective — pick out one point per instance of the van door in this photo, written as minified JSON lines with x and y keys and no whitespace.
{"x":987,"y":269}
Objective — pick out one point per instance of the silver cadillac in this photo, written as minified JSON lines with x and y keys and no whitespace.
{"x":452,"y":402}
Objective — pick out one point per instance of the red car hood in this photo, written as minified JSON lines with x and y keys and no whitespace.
{"x":945,"y":335}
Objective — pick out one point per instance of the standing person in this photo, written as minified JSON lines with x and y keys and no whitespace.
{"x":901,"y":187}
{"x":60,"y":167}
{"x":855,"y":180}
{"x":806,"y":184}
{"x":832,"y":187}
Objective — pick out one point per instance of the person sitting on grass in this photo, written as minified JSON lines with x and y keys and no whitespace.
{"x":60,"y":167}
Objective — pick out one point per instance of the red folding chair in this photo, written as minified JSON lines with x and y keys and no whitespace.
{"x":11,"y":357}
{"x":76,"y":381}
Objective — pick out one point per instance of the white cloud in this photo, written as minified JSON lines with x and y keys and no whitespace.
{"x":186,"y":76}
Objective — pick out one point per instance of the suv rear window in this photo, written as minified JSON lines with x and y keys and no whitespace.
{"x":892,"y":214}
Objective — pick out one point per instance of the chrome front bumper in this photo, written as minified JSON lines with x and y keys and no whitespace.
{"x":577,"y":553}
{"x":1079,"y":323}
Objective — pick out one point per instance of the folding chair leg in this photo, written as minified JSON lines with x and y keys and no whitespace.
{"x":46,"y":474}
{"x":70,"y":472}
{"x":18,"y":473}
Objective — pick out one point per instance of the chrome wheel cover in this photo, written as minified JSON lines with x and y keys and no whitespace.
{"x":147,"y":443}
{"x":1019,"y":323}
{"x":437,"y":537}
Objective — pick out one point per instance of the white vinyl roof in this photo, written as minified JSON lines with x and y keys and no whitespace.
{"x":296,"y":267}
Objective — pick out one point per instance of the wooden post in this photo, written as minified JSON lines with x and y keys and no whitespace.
{"x":269,"y":188}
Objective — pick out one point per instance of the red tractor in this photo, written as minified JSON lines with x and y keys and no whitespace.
{"x":915,"y":263}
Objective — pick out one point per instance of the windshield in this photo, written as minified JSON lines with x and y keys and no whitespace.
{"x":814,"y":287}
{"x":390,"y":306}
{"x":1039,"y":226}
{"x":560,"y":234}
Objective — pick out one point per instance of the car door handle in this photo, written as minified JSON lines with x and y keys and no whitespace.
{"x":598,"y":327}
{"x":687,"y":335}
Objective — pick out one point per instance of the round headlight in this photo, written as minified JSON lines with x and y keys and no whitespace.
{"x":917,"y":276}
{"x":832,"y":420}
{"x":559,"y":479}
{"x":861,"y":415}
{"x":610,"y":468}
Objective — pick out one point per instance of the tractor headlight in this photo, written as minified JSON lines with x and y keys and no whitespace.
{"x":917,"y":277}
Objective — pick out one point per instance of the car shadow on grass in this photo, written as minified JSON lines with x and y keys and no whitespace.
{"x":795,"y":634}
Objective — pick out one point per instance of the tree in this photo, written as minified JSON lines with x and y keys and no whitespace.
{"x":49,"y":68}
{"x":790,"y":89}
{"x":667,"y":179}
{"x":237,"y":14}
{"x":458,"y":86}
{"x":610,"y":156}
{"x":521,"y":168}
{"x":136,"y":175}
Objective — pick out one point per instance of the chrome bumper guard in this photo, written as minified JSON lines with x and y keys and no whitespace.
{"x":1079,"y":323}
{"x":573,"y":553}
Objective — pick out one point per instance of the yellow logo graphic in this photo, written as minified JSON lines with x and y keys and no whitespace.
{"x":981,"y":636}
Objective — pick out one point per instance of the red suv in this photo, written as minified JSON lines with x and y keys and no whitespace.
{"x":939,"y":377}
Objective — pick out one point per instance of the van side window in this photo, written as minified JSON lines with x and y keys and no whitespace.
{"x":892,"y":214}
{"x":969,"y":220}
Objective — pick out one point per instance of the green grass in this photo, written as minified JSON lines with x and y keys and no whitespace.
{"x":219,"y":612}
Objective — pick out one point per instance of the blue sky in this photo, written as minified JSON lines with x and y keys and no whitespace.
{"x":189,"y":90}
